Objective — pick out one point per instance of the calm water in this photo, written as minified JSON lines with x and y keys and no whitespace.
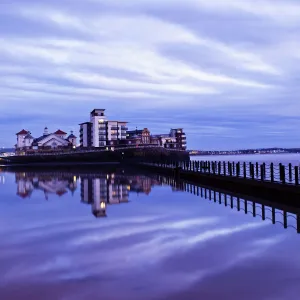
{"x":114,"y":235}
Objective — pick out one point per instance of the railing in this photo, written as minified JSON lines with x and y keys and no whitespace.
{"x":284,"y":174}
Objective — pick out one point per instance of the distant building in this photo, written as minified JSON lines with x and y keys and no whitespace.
{"x":57,"y":140}
{"x":141,"y":137}
{"x":100,"y":132}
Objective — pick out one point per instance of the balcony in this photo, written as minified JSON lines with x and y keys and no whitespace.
{"x":102,"y":127}
{"x":124,"y":128}
{"x":114,"y":127}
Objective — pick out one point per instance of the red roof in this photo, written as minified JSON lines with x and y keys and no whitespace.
{"x":23,"y":131}
{"x":60,"y":132}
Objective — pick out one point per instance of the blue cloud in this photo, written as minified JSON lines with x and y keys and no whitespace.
{"x":226,"y":73}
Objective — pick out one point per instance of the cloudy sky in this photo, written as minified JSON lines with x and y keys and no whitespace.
{"x":225,"y":70}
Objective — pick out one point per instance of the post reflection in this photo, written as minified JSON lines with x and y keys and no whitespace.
{"x":287,"y":216}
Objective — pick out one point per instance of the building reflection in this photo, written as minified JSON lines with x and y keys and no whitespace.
{"x":101,"y":191}
{"x":98,"y":190}
{"x":49,"y":183}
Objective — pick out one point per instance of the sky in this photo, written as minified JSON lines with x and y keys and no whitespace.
{"x":224,"y":70}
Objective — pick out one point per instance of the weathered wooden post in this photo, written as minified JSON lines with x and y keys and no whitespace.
{"x":246,"y":206}
{"x":238,"y":201}
{"x":219,"y":168}
{"x":257,"y":169}
{"x":272,"y":172}
{"x":208,"y":165}
{"x":264,"y":168}
{"x":290,"y":172}
{"x":220,"y":198}
{"x":283,"y":174}
{"x":245,"y":170}
{"x":230,"y":169}
{"x":296,"y":175}
{"x":205,"y":193}
{"x":231,"y":202}
{"x":209,"y":192}
{"x":233,"y":167}
{"x":238,"y":169}
{"x":225,"y":198}
{"x":224,"y":166}
{"x":262,"y":172}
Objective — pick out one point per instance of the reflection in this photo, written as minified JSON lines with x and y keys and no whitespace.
{"x":96,"y":189}
{"x":103,"y":190}
{"x":287,"y":216}
{"x":49,"y":183}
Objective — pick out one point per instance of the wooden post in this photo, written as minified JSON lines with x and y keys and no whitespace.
{"x":231,"y":201}
{"x":224,"y":166}
{"x":296,"y":175}
{"x":257,"y":169}
{"x":283,"y":174}
{"x":230,"y":169}
{"x":238,"y":169}
{"x":220,"y":198}
{"x":246,"y":206}
{"x":238,"y":201}
{"x":272,"y":172}
{"x":225,"y":198}
{"x":208,"y":165}
{"x":219,"y":168}
{"x":245,"y":170}
{"x":262,"y":172}
{"x":290,"y":172}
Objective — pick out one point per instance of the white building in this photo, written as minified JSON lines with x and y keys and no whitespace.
{"x":100,"y":132}
{"x":58,"y":139}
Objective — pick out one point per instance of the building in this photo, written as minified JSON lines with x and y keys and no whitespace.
{"x":176,"y":139}
{"x":100,"y":132}
{"x":48,"y":141}
{"x":141,"y":137}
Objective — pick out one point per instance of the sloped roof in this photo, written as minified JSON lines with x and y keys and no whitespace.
{"x":23,"y":131}
{"x":60,"y":132}
{"x":29,"y":136}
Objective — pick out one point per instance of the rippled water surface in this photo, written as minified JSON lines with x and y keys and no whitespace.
{"x":118,"y":235}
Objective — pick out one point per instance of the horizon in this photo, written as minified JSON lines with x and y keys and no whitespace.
{"x":224,"y":72}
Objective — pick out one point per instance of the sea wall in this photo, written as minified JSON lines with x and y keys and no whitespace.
{"x":131,"y":155}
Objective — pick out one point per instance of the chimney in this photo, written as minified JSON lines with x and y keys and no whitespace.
{"x":46,"y":131}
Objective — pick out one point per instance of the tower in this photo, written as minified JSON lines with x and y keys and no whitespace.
{"x":99,"y":128}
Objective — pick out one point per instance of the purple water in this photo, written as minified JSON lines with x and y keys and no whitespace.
{"x":155,"y":242}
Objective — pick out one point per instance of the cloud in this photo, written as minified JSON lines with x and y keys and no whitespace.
{"x":234,"y":56}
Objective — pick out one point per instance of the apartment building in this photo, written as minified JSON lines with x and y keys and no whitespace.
{"x":101,"y":132}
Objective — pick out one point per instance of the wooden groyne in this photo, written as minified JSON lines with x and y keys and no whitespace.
{"x":278,"y":183}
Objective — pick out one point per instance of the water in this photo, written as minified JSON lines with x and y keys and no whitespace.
{"x":69,"y":234}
